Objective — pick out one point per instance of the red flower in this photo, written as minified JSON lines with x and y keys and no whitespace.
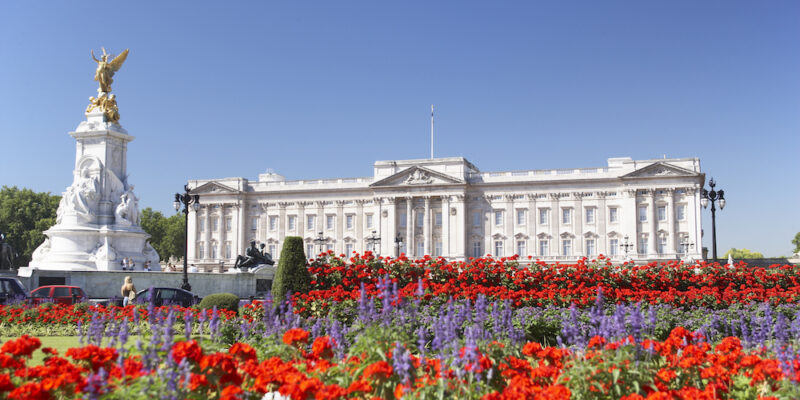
{"x":295,"y":336}
{"x":24,"y":346}
{"x":190,"y":350}
{"x":5,"y":383}
{"x":322,"y":347}
{"x":379,"y":369}
{"x":30,"y":391}
{"x":243,"y":352}
{"x":231,"y":393}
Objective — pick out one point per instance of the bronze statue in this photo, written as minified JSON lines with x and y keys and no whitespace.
{"x":253,"y":257}
{"x":7,"y":254}
{"x":106,"y":104}
{"x":106,"y":69}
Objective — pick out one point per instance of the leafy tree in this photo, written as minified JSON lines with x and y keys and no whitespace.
{"x":166,"y":233}
{"x":24,"y":215}
{"x":739,"y":254}
{"x":292,"y":273}
{"x":796,"y":243}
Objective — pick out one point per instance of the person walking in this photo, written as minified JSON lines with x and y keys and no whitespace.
{"x":128,"y":291}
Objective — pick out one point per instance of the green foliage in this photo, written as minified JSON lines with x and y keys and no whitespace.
{"x":292,"y":272}
{"x":24,"y":214}
{"x":227,"y":301}
{"x":796,"y":243}
{"x":167,"y":234}
{"x":739,"y":254}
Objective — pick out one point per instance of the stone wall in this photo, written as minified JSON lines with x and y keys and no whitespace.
{"x":106,"y":284}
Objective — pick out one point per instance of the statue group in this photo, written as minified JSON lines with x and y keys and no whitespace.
{"x":107,"y":65}
{"x":7,"y":254}
{"x":253,"y":257}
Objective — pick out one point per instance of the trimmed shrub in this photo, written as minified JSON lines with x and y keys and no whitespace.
{"x":292,"y":272}
{"x":227,"y":301}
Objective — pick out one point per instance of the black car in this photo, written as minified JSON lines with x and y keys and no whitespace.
{"x":11,"y":289}
{"x":166,"y":296}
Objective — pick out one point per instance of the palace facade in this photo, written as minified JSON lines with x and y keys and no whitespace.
{"x":631,"y":209}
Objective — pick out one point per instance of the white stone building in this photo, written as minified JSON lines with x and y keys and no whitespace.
{"x":447,"y":207}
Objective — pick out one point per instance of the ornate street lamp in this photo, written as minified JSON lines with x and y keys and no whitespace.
{"x":319,"y":241}
{"x":372,"y":240}
{"x":187,"y":200}
{"x":626,"y":246}
{"x":397,"y":242}
{"x":713,"y":196}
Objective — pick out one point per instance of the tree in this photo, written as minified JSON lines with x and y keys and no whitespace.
{"x":739,"y":254}
{"x":796,"y":243}
{"x":24,"y":215}
{"x":166,"y":234}
{"x":292,"y":272}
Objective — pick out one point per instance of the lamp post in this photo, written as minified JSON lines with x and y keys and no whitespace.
{"x":372,"y":240}
{"x":712,"y":197}
{"x":320,"y":241}
{"x":397,"y":241}
{"x":186,"y":200}
{"x":626,"y":247}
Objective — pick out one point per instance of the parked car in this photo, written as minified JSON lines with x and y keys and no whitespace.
{"x":166,"y":296}
{"x":12,"y":289}
{"x":60,"y":294}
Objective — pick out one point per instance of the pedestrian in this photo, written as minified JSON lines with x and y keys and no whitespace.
{"x":123,"y":264}
{"x":131,"y":264}
{"x":147,"y":265}
{"x":128,"y":291}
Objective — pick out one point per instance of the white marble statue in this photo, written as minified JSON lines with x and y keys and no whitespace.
{"x":80,"y":198}
{"x":127,"y":211}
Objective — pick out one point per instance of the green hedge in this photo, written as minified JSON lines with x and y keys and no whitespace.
{"x":292,"y":272}
{"x":227,"y":301}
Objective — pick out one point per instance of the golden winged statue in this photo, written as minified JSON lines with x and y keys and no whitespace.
{"x":106,"y":69}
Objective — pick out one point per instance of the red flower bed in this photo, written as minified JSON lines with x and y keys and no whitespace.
{"x":542,"y":284}
{"x":60,"y":314}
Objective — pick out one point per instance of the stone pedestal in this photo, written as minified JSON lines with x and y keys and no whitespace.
{"x":97,"y":223}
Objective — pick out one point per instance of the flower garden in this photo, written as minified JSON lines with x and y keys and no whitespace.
{"x":428,"y":328}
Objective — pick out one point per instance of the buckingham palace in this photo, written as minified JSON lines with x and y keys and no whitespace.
{"x":630,"y":209}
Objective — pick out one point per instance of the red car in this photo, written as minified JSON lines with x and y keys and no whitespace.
{"x":59,"y":294}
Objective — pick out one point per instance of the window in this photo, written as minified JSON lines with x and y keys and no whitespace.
{"x":349,"y":221}
{"x":590,"y":215}
{"x":310,"y":222}
{"x":273,"y":223}
{"x":437,"y":248}
{"x":642,"y":244}
{"x":213,"y":250}
{"x":590,"y":250}
{"x":544,"y":216}
{"x":520,"y":217}
{"x":662,"y":213}
{"x":214,"y":224}
{"x":329,"y":221}
{"x":681,"y":212}
{"x":292,"y":222}
{"x":566,"y":247}
{"x":476,"y":249}
{"x":420,"y":218}
{"x":201,"y":253}
{"x":253,"y":223}
{"x":227,"y":249}
{"x":438,"y":218}
{"x":566,"y":215}
{"x":228,"y":224}
{"x":420,"y":248}
{"x":613,"y":247}
{"x":662,"y":245}
{"x":498,"y":248}
{"x":642,"y":213}
{"x":521,"y":248}
{"x":613,"y":215}
{"x":498,"y":218}
{"x":544,"y":248}
{"x":403,"y":220}
{"x":476,"y":219}
{"x":348,"y":249}
{"x":310,"y":250}
{"x":202,"y":225}
{"x":271,"y":249}
{"x":369,"y":221}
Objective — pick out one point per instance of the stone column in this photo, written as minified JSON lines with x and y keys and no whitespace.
{"x":578,"y":216}
{"x":602,"y":224}
{"x":281,"y":227}
{"x":629,"y":223}
{"x":301,"y":220}
{"x":191,"y":245}
{"x":410,"y":226}
{"x":555,"y":223}
{"x":339,"y":246}
{"x":360,"y":245}
{"x":207,"y":233}
{"x":509,"y":247}
{"x":320,"y":220}
{"x":263,"y":227}
{"x":671,"y":239}
{"x":426,"y":226}
{"x":391,"y":228}
{"x":461,"y":247}
{"x":533,"y":215}
{"x":446,"y":226}
{"x":694,"y":218}
{"x":651,"y":238}
{"x":241,"y":240}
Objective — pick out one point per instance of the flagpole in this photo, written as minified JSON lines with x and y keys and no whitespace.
{"x":431,"y":131}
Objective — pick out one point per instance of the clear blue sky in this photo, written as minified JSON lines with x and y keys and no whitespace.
{"x":323,"y":89}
